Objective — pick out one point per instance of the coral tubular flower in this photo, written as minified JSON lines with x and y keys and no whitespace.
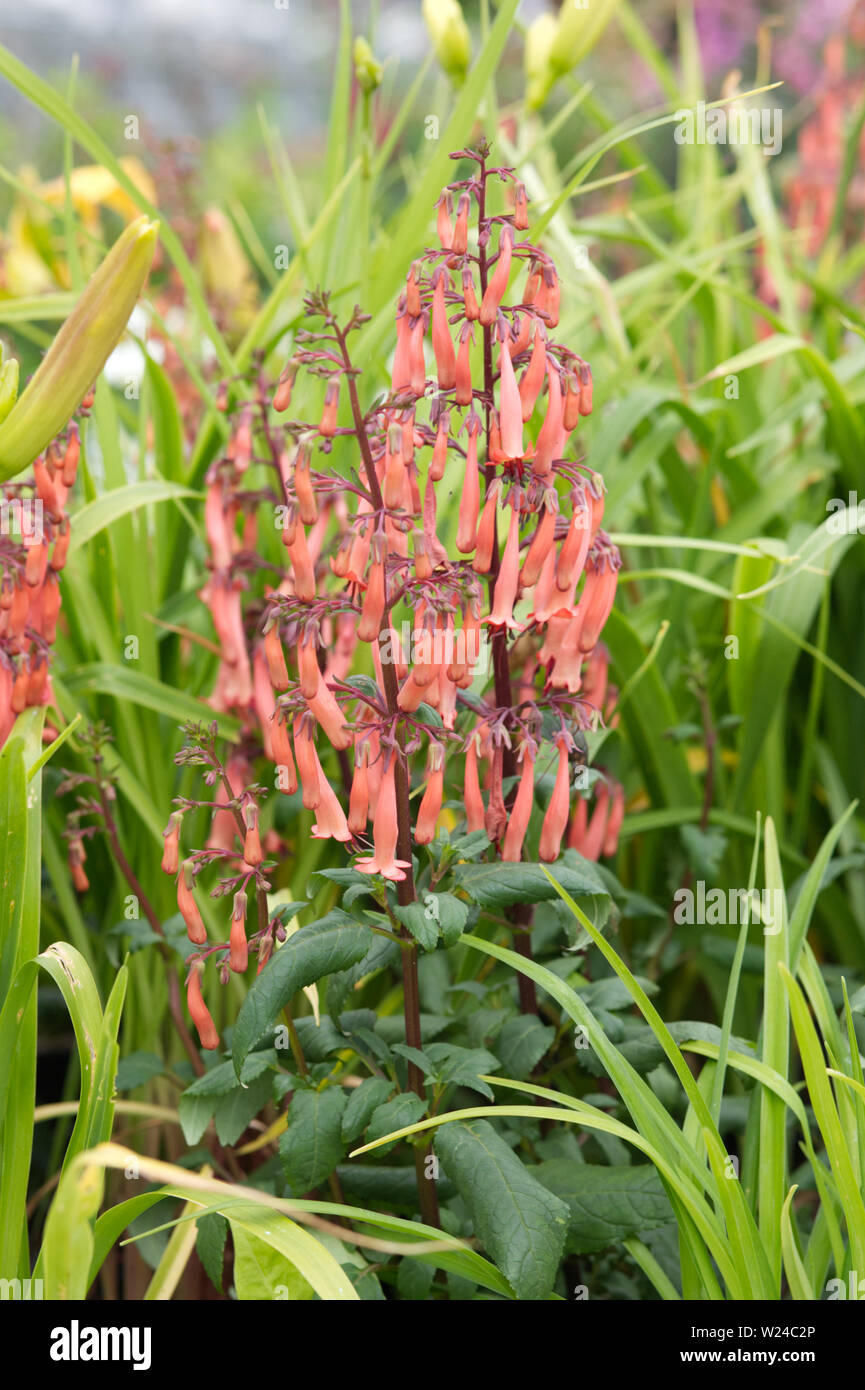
{"x":471,"y":496}
{"x":307,"y":762}
{"x":541,"y":542}
{"x":487,"y":530}
{"x":442,"y":343}
{"x":198,"y":1010}
{"x":556,"y":818}
{"x":327,"y":424}
{"x":238,"y":955}
{"x":614,"y":823}
{"x":275,"y":658}
{"x":330,"y":821}
{"x":358,"y":810}
{"x":575,"y":548}
{"x":470,"y":303}
{"x":593,"y":840}
{"x":283,"y":757}
{"x":385,"y":832}
{"x":533,"y":378}
{"x":472,"y":788}
{"x":252,"y":852}
{"x":325,"y":708}
{"x":463,"y":393}
{"x":507,"y":583}
{"x":375,"y":598}
{"x":597,"y":598}
{"x":497,"y":285}
{"x":549,"y":440}
{"x":460,"y":242}
{"x":171,"y":836}
{"x":431,"y":802}
{"x":188,"y":907}
{"x":518,"y":820}
{"x":444,"y":225}
{"x":510,"y":408}
{"x":285,"y":385}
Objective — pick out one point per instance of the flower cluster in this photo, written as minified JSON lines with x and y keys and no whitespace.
{"x":34,"y":541}
{"x":426,"y":654}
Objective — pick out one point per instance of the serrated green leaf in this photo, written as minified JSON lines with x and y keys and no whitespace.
{"x":519,"y":1222}
{"x":334,"y":943}
{"x":311,"y":1147}
{"x":606,"y":1203}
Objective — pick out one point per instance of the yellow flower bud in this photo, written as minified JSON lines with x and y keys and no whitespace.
{"x":367,"y":71}
{"x":80,"y":350}
{"x":540,"y":38}
{"x":450,"y":35}
{"x":580,"y":25}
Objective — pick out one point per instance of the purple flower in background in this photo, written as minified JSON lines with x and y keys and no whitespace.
{"x":728,"y":28}
{"x":724,"y":27}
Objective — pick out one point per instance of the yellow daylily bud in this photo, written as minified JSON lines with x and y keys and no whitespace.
{"x":540,"y":39}
{"x":450,"y":35}
{"x":80,"y":350}
{"x":227,"y":273}
{"x":367,"y":71}
{"x":579,"y":26}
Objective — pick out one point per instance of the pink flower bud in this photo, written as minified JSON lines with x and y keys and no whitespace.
{"x":463,"y":394}
{"x":472,"y":788}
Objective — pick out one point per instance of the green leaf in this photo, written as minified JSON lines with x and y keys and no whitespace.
{"x":312,"y":1145}
{"x":137,"y":1069}
{"x":606,"y":1204}
{"x":451,"y":914}
{"x":319,"y":949}
{"x":210,"y":1246}
{"x":522,"y":1043}
{"x":262,"y":1272}
{"x":361,"y":1104}
{"x":520,"y":1223}
{"x":498,"y":885}
{"x":394,"y":1114}
{"x":421,"y":921}
{"x":234,"y":1111}
{"x":103,"y":678}
{"x":94,"y":516}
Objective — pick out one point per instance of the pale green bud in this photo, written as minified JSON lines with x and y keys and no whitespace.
{"x":367,"y":71}
{"x":540,"y":38}
{"x":450,"y":35}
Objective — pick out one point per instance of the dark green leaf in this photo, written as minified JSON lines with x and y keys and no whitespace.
{"x":522,"y":1043}
{"x":361,"y":1103}
{"x":312,"y":1145}
{"x":210,"y":1246}
{"x":332,"y":944}
{"x":607,"y":1204}
{"x":519,"y":1222}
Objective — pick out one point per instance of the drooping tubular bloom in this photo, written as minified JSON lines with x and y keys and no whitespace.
{"x":188,"y":907}
{"x":385,"y":831}
{"x":518,"y":820}
{"x":556,"y":818}
{"x":198,"y":1010}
